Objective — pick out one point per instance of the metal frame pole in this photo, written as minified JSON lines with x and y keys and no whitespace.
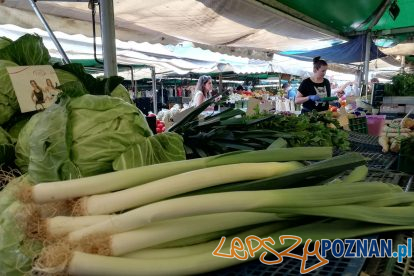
{"x":383,"y":8}
{"x":366,"y":62}
{"x":50,"y":32}
{"x":220,"y":88}
{"x":154,"y":90}
{"x":402,"y":69}
{"x":108,"y":38}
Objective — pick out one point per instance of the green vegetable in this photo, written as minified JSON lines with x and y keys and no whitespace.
{"x":173,"y":229}
{"x":121,"y":92}
{"x":26,"y":50}
{"x":91,"y":84}
{"x":232,"y":130}
{"x":8,"y":101}
{"x":83,"y":136}
{"x":315,"y":196}
{"x":46,"y":192}
{"x":203,"y":261}
{"x":180,"y":183}
{"x":4,"y":41}
{"x":6,"y":148}
{"x":23,"y":143}
{"x":358,"y":174}
{"x":312,"y":174}
{"x":401,"y":85}
{"x":16,"y":250}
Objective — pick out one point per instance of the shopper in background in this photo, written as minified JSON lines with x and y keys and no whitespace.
{"x":343,"y":90}
{"x":202,"y":91}
{"x":312,"y":89}
{"x":290,"y":92}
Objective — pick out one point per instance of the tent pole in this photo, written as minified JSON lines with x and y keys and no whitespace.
{"x":385,"y":4}
{"x":220,"y":88}
{"x":154,"y":90}
{"x":402,"y":64}
{"x":366,"y":63}
{"x":108,"y":37}
{"x":50,"y":32}
{"x":162,"y":93}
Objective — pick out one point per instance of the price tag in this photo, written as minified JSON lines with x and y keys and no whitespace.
{"x":34,"y":86}
{"x":252,"y":106}
{"x":266,"y":106}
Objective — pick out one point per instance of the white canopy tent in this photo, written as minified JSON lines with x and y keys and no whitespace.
{"x":254,"y":31}
{"x":166,"y":60}
{"x":179,"y":59}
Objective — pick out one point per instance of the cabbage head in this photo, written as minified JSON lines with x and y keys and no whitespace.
{"x":6,"y":147}
{"x":65,"y":76}
{"x":8,"y":100}
{"x":16,"y":250}
{"x":22,"y":149}
{"x":90,"y":135}
{"x":4,"y":41}
{"x":121,"y":92}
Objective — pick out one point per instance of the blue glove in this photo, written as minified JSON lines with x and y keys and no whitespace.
{"x":314,"y":98}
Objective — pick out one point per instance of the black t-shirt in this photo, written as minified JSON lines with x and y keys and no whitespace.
{"x":323,"y":89}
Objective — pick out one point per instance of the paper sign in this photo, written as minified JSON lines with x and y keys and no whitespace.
{"x":266,"y":106}
{"x":35,"y":86}
{"x":252,"y":106}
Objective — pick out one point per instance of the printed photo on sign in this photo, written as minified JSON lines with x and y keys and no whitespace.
{"x":35,"y":86}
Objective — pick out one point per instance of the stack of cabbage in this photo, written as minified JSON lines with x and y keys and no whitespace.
{"x":92,"y":129}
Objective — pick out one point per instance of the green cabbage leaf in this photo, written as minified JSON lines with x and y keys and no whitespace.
{"x":88,"y":135}
{"x":4,"y":41}
{"x":26,"y":50}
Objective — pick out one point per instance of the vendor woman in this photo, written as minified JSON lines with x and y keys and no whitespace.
{"x":312,"y":89}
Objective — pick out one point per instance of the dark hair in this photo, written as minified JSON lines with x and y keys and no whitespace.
{"x":202,"y":80}
{"x":318,"y":63}
{"x":239,"y":88}
{"x":285,"y":85}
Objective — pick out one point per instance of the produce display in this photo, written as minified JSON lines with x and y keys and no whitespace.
{"x":91,"y":129}
{"x":395,"y":132}
{"x":147,"y":224}
{"x":402,"y":85}
{"x":232,"y":130}
{"x":101,"y":194}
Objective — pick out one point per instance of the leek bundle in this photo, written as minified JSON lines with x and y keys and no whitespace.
{"x":150,"y":220}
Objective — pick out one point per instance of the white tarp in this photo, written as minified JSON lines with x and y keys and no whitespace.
{"x":180,"y":59}
{"x":130,"y":53}
{"x":237,"y":27}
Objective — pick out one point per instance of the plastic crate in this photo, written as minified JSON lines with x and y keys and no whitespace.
{"x":389,"y":176}
{"x":358,"y":125}
{"x":390,"y":266}
{"x":380,"y":160}
{"x":364,"y":142}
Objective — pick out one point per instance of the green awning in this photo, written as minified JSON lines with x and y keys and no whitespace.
{"x":347,"y":16}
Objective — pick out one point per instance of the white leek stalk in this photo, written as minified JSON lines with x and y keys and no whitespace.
{"x":179,"y":184}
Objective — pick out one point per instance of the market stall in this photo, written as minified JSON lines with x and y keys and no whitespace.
{"x":222,"y":190}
